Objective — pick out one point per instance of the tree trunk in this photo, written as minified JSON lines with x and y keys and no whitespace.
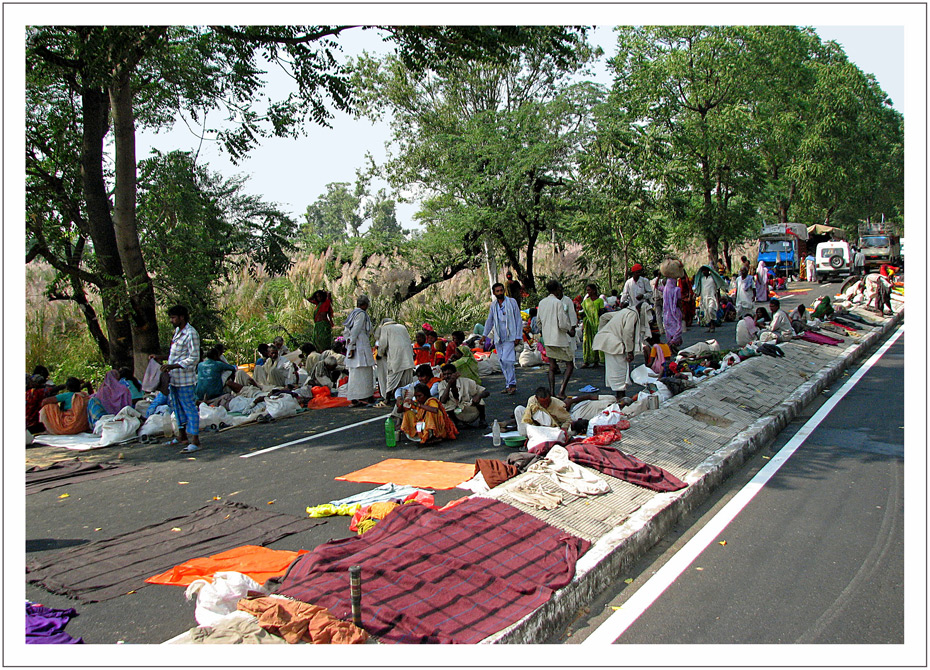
{"x":726,"y":256}
{"x":529,"y":278}
{"x":141,"y":291}
{"x":490,"y":263}
{"x":713,"y":249}
{"x":95,"y":113}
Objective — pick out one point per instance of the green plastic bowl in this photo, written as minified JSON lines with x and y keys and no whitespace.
{"x":514,"y":441}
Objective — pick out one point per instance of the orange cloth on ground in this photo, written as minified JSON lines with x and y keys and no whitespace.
{"x":439,"y":423}
{"x":422,"y":474}
{"x":66,"y":422}
{"x":323,"y":399}
{"x":259,"y":563}
{"x":297,"y":621}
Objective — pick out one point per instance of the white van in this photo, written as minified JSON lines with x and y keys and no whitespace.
{"x":833,"y":259}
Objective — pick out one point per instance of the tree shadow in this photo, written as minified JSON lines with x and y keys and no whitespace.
{"x":47,"y":543}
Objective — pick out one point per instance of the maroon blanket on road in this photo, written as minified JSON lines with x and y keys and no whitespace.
{"x":615,"y":463}
{"x":441,"y":577}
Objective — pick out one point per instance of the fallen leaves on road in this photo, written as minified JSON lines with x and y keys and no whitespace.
{"x":183,"y":482}
{"x":176,"y":529}
{"x":629,"y":580}
{"x":271,"y":502}
{"x":699,"y":568}
{"x":96,"y":529}
{"x":217,"y":498}
{"x":722,"y":543}
{"x":616,"y":607}
{"x":64,"y":495}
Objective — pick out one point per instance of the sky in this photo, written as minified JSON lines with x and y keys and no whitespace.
{"x":293,"y":173}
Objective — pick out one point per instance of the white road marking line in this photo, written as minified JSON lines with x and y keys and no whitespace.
{"x":313,"y":437}
{"x":639,"y":602}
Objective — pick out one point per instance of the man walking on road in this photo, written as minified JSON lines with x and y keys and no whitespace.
{"x":558,"y":332}
{"x":182,"y":378}
{"x":507,"y":325}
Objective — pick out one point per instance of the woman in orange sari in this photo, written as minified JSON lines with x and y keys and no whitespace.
{"x":66,"y":413}
{"x":425,"y":418}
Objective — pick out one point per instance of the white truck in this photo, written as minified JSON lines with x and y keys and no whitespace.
{"x":879,"y":244}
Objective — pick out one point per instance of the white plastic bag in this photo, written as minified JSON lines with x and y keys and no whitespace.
{"x":122,"y":426}
{"x":536,"y":435}
{"x":216,"y":600}
{"x":211,"y":417}
{"x":152,"y":375}
{"x":609,"y":417}
{"x":643,"y":375}
{"x":281,"y":405}
{"x":489,"y":365}
{"x":241,"y":404}
{"x":157,"y":425}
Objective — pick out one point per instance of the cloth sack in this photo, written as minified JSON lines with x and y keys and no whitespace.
{"x":537,"y":435}
{"x":151,"y":377}
{"x":241,"y":404}
{"x":609,"y":417}
{"x":121,"y":426}
{"x":281,"y":405}
{"x":672,"y":268}
{"x":530,"y":357}
{"x":489,"y":365}
{"x":218,"y":598}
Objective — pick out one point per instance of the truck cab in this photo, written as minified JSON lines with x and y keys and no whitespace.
{"x":879,"y":244}
{"x":778,"y":247}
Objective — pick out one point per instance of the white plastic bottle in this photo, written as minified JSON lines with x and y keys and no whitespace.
{"x":496,"y":433}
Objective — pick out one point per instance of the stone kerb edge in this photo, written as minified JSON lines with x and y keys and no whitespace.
{"x":621,"y":548}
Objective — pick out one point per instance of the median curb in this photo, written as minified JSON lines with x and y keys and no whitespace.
{"x":620,"y":548}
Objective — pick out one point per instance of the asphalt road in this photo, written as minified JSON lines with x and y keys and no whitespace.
{"x":286,"y":480}
{"x":816,"y":557}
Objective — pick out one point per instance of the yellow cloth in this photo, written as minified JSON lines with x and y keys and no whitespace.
{"x":332,"y":510}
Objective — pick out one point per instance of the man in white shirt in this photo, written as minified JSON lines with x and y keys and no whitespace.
{"x":638,"y":292}
{"x":558,"y":333}
{"x":781,"y":324}
{"x":506,"y":324}
{"x":617,"y":339}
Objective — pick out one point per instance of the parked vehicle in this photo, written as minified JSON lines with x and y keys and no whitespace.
{"x":879,"y":244}
{"x":778,"y":247}
{"x":833,"y":260}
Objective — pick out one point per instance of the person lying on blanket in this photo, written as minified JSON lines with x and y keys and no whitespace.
{"x":425,"y":419}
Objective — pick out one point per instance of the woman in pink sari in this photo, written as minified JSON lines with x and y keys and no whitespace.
{"x":762,"y":283}
{"x":110,"y":398}
{"x":671,"y":312}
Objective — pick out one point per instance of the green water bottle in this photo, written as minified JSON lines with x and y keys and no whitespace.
{"x":390,"y":436}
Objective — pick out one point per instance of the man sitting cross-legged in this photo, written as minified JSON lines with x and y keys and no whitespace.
{"x":462,"y":397}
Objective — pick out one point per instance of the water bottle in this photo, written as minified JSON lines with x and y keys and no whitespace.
{"x":496,"y":433}
{"x":390,"y":436}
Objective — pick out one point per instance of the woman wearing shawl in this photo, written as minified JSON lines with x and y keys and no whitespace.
{"x":322,"y":320}
{"x":823,"y":310}
{"x":592,"y":307}
{"x":687,"y":299}
{"x":359,"y":361}
{"x":671,"y":312}
{"x":110,"y":398}
{"x":425,"y":419}
{"x":762,"y":283}
{"x":744,"y":293}
{"x":746,"y":330}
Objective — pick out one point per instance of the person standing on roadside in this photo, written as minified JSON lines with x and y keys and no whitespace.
{"x":505,"y":321}
{"x":359,"y":360}
{"x":592,"y":307}
{"x":617,"y":339}
{"x":514,"y":289}
{"x":558,"y":332}
{"x":182,"y":378}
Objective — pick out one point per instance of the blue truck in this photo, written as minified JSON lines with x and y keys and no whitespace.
{"x":781,"y":246}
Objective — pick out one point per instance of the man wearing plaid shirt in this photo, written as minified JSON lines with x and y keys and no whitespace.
{"x":182,"y":374}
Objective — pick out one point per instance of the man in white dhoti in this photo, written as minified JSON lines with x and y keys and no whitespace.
{"x":706,"y":285}
{"x":359,"y":360}
{"x":395,"y":355}
{"x":558,"y":333}
{"x":638,"y":292}
{"x":617,"y":339}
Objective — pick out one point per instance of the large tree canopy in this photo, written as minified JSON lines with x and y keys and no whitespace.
{"x":89,"y":83}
